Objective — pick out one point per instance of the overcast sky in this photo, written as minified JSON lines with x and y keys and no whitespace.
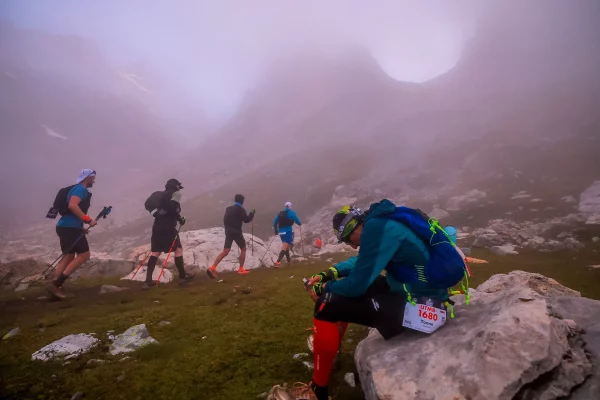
{"x":215,"y":50}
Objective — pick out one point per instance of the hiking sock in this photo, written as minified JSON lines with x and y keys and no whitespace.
{"x":321,"y":392}
{"x":281,"y":254}
{"x":326,"y":345}
{"x":58,"y":282}
{"x":179,"y":266}
{"x":151,"y":264}
{"x":287,"y":255}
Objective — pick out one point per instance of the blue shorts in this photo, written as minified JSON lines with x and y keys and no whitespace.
{"x":287,"y":237}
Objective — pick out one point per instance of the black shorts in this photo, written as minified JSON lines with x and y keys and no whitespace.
{"x":237,"y":237}
{"x":378,"y":308}
{"x":71,"y":237}
{"x":162,"y":240}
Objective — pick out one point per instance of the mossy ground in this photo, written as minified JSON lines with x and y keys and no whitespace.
{"x":229,"y":340}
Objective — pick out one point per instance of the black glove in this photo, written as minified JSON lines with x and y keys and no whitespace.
{"x":276,"y":231}
{"x":181,"y":220}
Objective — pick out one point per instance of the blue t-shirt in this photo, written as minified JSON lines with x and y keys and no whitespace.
{"x":70,"y":220}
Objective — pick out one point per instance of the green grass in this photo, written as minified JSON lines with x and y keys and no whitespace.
{"x":250,"y":337}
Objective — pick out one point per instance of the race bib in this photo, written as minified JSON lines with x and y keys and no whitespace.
{"x":428,"y":315}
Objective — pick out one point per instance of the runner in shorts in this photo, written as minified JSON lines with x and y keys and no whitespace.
{"x":164,"y":233}
{"x":283,"y":226}
{"x":235,"y":216}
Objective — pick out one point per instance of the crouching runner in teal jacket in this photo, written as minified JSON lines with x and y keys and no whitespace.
{"x":364,"y":296}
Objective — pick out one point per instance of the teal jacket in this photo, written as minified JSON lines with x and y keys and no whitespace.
{"x":383,"y":242}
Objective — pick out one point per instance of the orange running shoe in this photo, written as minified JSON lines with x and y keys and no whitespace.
{"x":212,"y":272}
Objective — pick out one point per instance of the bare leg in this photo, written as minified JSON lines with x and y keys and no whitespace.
{"x":220,"y":257}
{"x":60,"y":268}
{"x":212,"y":271}
{"x":77,"y":262}
{"x":242,"y":257}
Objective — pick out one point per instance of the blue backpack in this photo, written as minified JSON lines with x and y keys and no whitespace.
{"x":445,"y":267}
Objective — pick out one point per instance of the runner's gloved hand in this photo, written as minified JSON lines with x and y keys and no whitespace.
{"x":182,"y":220}
{"x":276,"y":231}
{"x":316,"y":290}
{"x":253,"y":211}
{"x":325,"y":276}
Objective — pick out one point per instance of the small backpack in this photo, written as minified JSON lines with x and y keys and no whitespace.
{"x":284,"y":221}
{"x":445,"y":267}
{"x":61,"y":205}
{"x":154,"y":202}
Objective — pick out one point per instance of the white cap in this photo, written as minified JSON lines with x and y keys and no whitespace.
{"x":288,"y":204}
{"x":84,"y":174}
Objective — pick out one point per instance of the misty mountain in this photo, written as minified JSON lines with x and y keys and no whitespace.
{"x":63,"y":108}
{"x":523,"y":97}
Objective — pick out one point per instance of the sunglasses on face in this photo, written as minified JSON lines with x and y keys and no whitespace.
{"x":348,"y":226}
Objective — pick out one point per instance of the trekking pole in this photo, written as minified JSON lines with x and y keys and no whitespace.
{"x":267,"y":251}
{"x":105,"y":211}
{"x":167,"y":259}
{"x":252,"y":230}
{"x":142,"y":263}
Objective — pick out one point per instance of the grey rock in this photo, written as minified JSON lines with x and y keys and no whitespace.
{"x":472,"y":197}
{"x":506,"y":314}
{"x":111,"y":289}
{"x":439,"y":213}
{"x":504,"y":250}
{"x":309,"y":365}
{"x":349,"y":379}
{"x":68,"y":347}
{"x":22,"y":287}
{"x":589,"y":200}
{"x":132,"y":339}
{"x":300,"y":356}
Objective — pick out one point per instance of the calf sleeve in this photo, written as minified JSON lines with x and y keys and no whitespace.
{"x":326,"y":345}
{"x":151,"y":265}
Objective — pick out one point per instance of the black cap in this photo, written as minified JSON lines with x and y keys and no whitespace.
{"x":239,"y":198}
{"x":173,"y":184}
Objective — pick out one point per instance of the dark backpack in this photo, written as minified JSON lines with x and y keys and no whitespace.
{"x":283,"y":220}
{"x":154,"y":202}
{"x":61,"y":205}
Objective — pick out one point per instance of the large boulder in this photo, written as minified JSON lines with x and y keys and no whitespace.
{"x":521,"y":337}
{"x":68,"y":347}
{"x":201,"y":247}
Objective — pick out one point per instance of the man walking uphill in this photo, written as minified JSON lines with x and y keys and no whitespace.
{"x":167,"y":213}
{"x":69,"y":230}
{"x":283,"y":225}
{"x":235,"y":215}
